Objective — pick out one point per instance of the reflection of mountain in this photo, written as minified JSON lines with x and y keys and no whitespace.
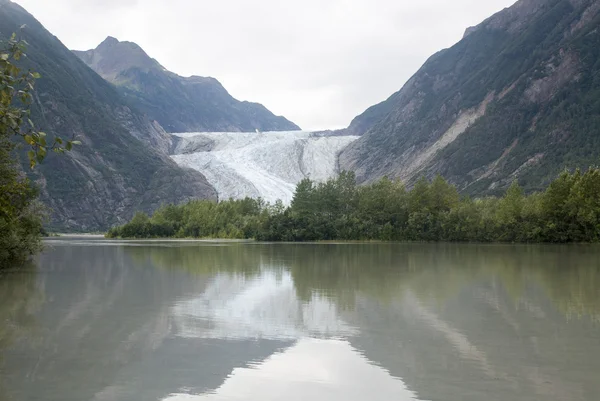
{"x":311,"y":369}
{"x":186,"y":365}
{"x":479,"y":346}
{"x":105,"y":333}
{"x":470,"y":322}
{"x":453,"y":322}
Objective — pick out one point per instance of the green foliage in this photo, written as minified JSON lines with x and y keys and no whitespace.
{"x":337,"y":209}
{"x":16,"y":89}
{"x":199,"y":219}
{"x":20,"y":214}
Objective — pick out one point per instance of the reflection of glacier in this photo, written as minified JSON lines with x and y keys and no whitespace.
{"x":266,"y":306}
{"x":268,"y":165}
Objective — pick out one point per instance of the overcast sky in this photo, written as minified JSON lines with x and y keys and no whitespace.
{"x":317,"y":62}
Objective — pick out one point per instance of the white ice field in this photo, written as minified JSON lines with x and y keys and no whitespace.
{"x":266,"y":164}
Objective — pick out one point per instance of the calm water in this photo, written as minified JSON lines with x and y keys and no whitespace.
{"x":100,"y":320}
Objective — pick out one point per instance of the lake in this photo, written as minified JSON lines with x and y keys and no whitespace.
{"x":94,"y":319}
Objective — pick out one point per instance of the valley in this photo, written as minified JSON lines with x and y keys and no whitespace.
{"x":165,"y":238}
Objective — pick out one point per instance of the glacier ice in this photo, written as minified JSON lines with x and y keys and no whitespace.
{"x":266,"y":165}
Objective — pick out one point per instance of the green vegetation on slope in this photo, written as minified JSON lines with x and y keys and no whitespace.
{"x":568,"y":211}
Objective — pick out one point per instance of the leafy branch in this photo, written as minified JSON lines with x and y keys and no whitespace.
{"x":16,"y":88}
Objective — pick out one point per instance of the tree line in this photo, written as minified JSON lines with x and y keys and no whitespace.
{"x":338,"y":209}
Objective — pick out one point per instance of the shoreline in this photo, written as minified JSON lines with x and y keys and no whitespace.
{"x":99,"y":238}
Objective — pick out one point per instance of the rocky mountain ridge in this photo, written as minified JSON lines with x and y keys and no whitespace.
{"x":179,"y":104}
{"x":516,"y":99}
{"x":122,"y":164}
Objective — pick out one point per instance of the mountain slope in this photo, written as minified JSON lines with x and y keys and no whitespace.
{"x":122,"y":165}
{"x":517,"y":98}
{"x":179,"y":104}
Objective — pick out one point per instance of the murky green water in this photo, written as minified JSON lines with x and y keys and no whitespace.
{"x":99,"y":320}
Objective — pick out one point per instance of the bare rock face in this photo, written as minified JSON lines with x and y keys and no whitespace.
{"x":513,"y":100}
{"x":558,"y":73}
{"x":123,"y":55}
{"x":122,"y":165}
{"x":512,"y":19}
{"x":179,"y":104}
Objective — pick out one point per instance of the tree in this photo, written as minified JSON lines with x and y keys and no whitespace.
{"x":584,"y":205}
{"x":560,"y":224}
{"x":304,"y":202}
{"x":21,"y":215}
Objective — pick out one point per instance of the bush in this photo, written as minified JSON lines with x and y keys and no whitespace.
{"x":568,"y":211}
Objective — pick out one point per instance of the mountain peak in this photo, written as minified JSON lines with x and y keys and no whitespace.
{"x":112,"y":58}
{"x":109,"y":41}
{"x":179,"y":104}
{"x":513,"y":19}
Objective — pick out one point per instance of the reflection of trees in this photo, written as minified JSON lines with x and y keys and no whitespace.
{"x":20,"y":300}
{"x":201,"y":259}
{"x":570,"y":275}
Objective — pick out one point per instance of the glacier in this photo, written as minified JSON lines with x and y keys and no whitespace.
{"x":265,"y":306}
{"x":265,"y":164}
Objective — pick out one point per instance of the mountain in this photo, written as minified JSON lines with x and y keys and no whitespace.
{"x":518,"y":98}
{"x":179,"y":104}
{"x":122,"y":165}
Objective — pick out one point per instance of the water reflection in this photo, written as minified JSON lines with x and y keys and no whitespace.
{"x":266,"y":306}
{"x":20,"y":300}
{"x":311,"y":369}
{"x":135,"y":321}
